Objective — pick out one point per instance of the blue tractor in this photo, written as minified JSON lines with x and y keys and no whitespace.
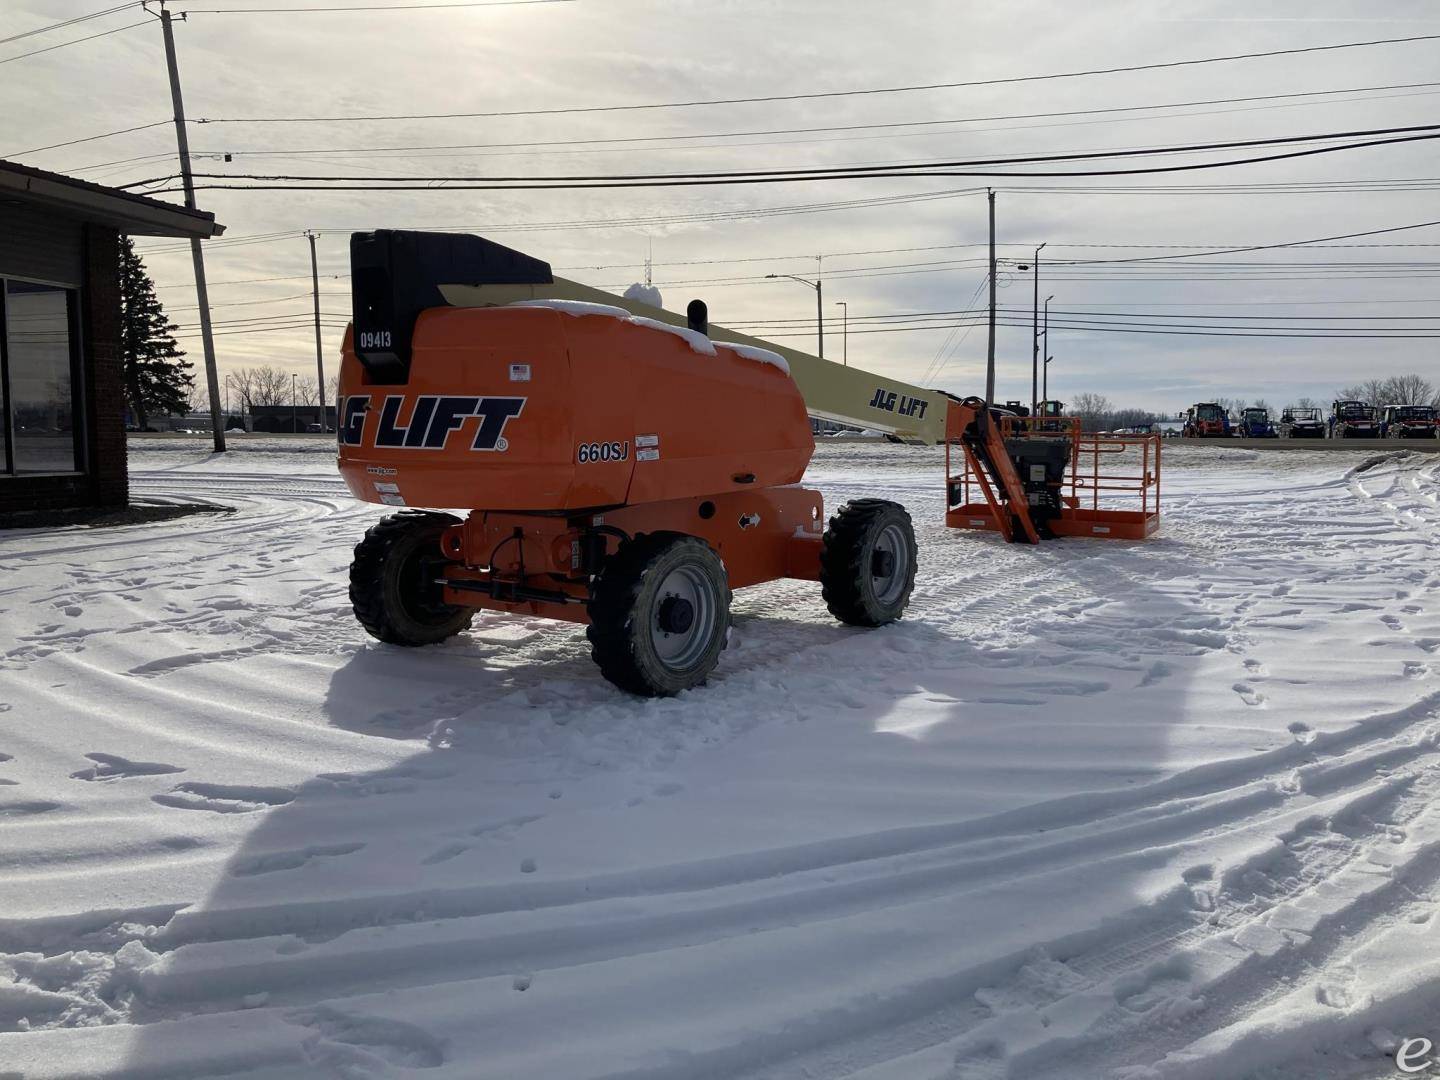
{"x":1255,"y":423}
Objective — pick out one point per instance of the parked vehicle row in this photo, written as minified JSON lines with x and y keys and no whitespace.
{"x":1346,"y":420}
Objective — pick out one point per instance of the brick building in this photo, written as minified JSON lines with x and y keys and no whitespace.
{"x":61,"y":378}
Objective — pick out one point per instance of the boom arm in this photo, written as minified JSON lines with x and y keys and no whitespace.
{"x":846,"y":395}
{"x":400,"y":273}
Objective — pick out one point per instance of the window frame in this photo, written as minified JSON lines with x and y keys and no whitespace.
{"x":81,"y":445}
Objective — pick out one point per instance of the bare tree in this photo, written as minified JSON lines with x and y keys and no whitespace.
{"x":1091,"y":409}
{"x":198,"y":399}
{"x":1409,"y":390}
{"x":1372,"y":391}
{"x":305,"y":393}
{"x":261,"y":385}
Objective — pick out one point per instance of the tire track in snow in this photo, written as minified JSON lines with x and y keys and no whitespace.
{"x":1067,"y":1007}
{"x":432,"y":937}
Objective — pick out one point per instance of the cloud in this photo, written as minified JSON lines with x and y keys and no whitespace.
{"x":628,"y":52}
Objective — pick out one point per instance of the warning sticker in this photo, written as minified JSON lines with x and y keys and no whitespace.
{"x":392,"y":500}
{"x":386,"y":488}
{"x":519,"y":372}
{"x":647,"y":440}
{"x":647,"y":455}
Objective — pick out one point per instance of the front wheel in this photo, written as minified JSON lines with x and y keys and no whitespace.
{"x":393,"y":587}
{"x":659,"y":614}
{"x":867,"y":563}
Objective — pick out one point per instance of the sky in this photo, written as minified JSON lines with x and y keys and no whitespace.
{"x":898,"y":246}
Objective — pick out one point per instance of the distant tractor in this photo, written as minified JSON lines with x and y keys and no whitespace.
{"x":1410,"y":422}
{"x":1255,"y":423}
{"x":1302,"y":423}
{"x":1206,"y":420}
{"x":1354,"y":420}
{"x":1047,"y":419}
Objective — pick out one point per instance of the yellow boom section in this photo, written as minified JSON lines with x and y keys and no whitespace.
{"x":832,"y":391}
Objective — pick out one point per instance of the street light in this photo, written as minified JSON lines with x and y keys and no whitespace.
{"x":1045,"y":369}
{"x":844,"y":332}
{"x":1035,"y":335}
{"x":294,"y":410}
{"x":819,"y":308}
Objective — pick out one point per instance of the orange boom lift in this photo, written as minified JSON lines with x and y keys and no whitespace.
{"x":619,"y":471}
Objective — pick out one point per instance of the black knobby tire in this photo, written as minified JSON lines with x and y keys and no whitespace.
{"x":659,"y":614}
{"x":392,"y":581}
{"x":867,"y":563}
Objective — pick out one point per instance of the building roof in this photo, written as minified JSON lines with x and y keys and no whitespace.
{"x":135,"y":215}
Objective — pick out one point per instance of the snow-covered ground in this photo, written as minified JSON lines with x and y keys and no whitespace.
{"x":1149,"y":811}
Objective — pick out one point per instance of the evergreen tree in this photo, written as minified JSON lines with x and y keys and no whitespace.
{"x":157,"y":376}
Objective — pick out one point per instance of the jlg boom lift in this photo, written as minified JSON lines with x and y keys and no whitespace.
{"x":622,"y":467}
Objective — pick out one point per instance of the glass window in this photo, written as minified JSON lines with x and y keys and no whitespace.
{"x":40,"y":369}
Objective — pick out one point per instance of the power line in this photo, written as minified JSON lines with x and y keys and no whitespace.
{"x":409,"y":184}
{"x":76,"y":41}
{"x":1254,"y":247}
{"x":368,"y":7}
{"x":824,"y":94}
{"x":805,"y":130}
{"x":1024,"y":323}
{"x":846,"y":171}
{"x":93,"y":138}
{"x":69,"y":22}
{"x":1023,"y":159}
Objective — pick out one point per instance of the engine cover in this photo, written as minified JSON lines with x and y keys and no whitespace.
{"x":533,"y":408}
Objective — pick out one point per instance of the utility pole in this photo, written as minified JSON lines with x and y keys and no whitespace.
{"x":844,"y":332}
{"x":319,"y":353}
{"x":1045,"y":368}
{"x":197,"y":256}
{"x":990,"y":349}
{"x":294,"y":410}
{"x":1035,"y":340}
{"x":819,"y":309}
{"x":819,"y":319}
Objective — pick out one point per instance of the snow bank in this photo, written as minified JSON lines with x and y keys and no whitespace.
{"x":574,"y":307}
{"x":697,"y":341}
{"x":760,"y":356}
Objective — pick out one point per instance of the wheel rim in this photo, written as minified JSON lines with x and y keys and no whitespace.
{"x":417,"y":593}
{"x":682,"y":625}
{"x":890,"y":564}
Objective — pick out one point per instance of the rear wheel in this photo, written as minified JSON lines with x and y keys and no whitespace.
{"x":659,"y":614}
{"x":867,"y":563}
{"x":393,"y":585}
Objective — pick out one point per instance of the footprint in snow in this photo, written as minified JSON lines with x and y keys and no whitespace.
{"x":1393,"y":622}
{"x":113,"y":767}
{"x":444,"y":854}
{"x":1303,"y":735}
{"x":224,"y":798}
{"x":289,"y":860}
{"x":349,"y":1045}
{"x":1413,"y":669}
{"x":1249,"y":694}
{"x":25,"y":809}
